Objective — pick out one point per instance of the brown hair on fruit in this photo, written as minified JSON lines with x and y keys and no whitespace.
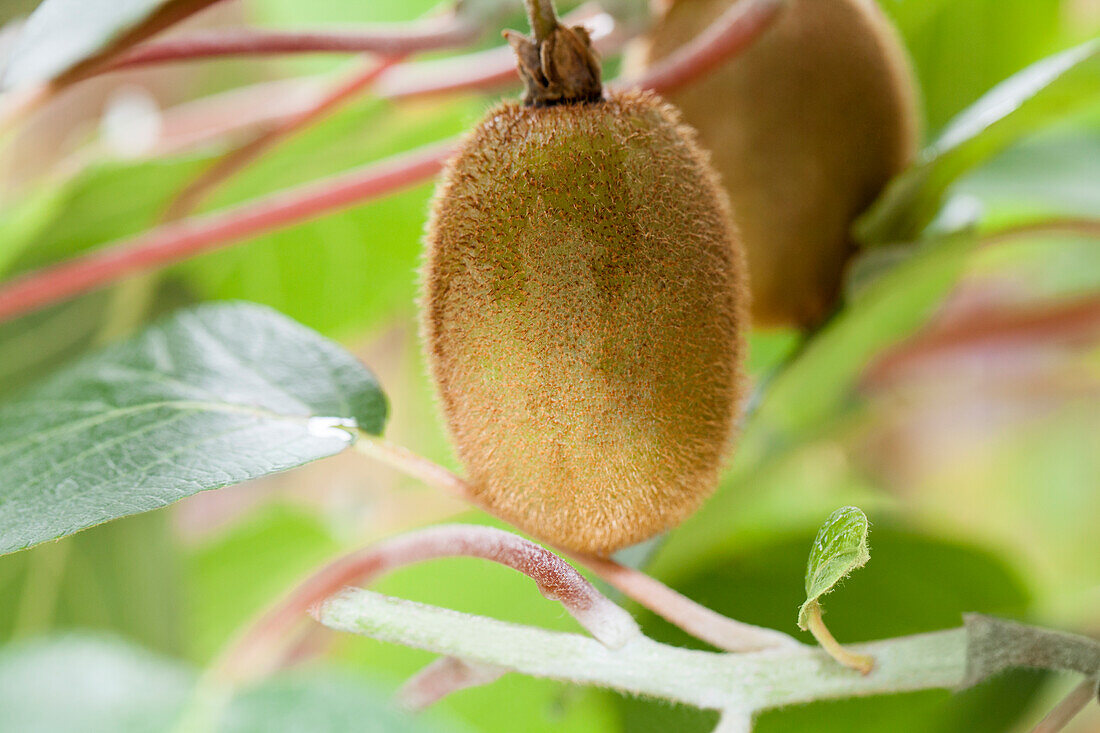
{"x":806,"y":126}
{"x":584,"y":308}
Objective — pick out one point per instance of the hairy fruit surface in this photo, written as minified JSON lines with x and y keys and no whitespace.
{"x":806,"y":127}
{"x":584,"y":313}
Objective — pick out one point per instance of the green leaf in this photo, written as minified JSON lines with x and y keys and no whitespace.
{"x":97,"y":684}
{"x":210,"y":397}
{"x":1052,"y":174}
{"x":1022,"y":104}
{"x":61,"y":34}
{"x":88,"y":683}
{"x":316,"y":701}
{"x":961,"y":48}
{"x":123,"y":577}
{"x":248,"y":567}
{"x":839,"y":548}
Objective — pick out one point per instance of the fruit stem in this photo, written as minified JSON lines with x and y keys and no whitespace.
{"x":862,"y":663}
{"x":542,"y":17}
{"x":558,"y":65}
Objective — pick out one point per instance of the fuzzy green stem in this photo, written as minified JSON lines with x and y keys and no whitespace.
{"x":739,"y":684}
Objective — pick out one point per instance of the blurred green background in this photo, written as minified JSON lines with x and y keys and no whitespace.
{"x":979,"y":465}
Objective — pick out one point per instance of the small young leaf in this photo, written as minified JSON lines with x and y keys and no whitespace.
{"x":840,"y":548}
{"x":1020,"y":105}
{"x":209,"y":397}
{"x":61,"y":34}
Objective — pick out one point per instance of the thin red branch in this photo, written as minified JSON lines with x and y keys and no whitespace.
{"x":425,"y":35}
{"x":239,"y":111}
{"x":443,"y":677}
{"x":168,"y":15}
{"x":487,"y":70}
{"x":699,"y":621}
{"x":192,"y":195}
{"x":1061,"y":716}
{"x":1066,"y":322}
{"x":177,"y":241}
{"x":1073,"y":226}
{"x":261,"y":648}
{"x":733,"y":32}
{"x":268,"y":102}
{"x":18,"y":104}
{"x":480,"y":71}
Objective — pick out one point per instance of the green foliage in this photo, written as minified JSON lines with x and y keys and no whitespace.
{"x":61,"y":33}
{"x":1026,"y":152}
{"x":91,"y":684}
{"x":187,"y":406}
{"x":839,"y":548}
{"x":1031,"y":99}
{"x":97,"y":684}
{"x":961,"y":48}
{"x":125,"y":577}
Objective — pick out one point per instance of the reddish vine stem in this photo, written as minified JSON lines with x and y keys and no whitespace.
{"x":1071,"y":226}
{"x":33,"y":98}
{"x":699,"y":621}
{"x":192,"y":195}
{"x":426,"y":35}
{"x":736,"y":30}
{"x":441,"y":678}
{"x":1069,"y":321}
{"x":1068,"y":708}
{"x":180,"y":240}
{"x":262,"y":647}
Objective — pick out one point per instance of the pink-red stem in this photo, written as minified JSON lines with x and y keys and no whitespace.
{"x":426,"y":35}
{"x":442,"y":677}
{"x":192,"y":195}
{"x":1065,"y":322}
{"x":177,"y":241}
{"x":699,"y":621}
{"x":1068,"y":709}
{"x":262,"y":648}
{"x":733,"y":32}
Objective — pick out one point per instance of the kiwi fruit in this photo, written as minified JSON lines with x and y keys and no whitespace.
{"x":584,"y":307}
{"x":806,"y":126}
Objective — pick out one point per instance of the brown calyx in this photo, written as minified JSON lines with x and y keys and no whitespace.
{"x":558,"y":69}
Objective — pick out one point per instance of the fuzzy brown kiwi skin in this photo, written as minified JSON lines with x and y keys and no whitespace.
{"x":806,"y":127}
{"x":584,"y":310}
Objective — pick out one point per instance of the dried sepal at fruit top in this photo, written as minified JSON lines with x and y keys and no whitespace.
{"x":584,"y":315}
{"x":560,"y":68}
{"x":806,"y":127}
